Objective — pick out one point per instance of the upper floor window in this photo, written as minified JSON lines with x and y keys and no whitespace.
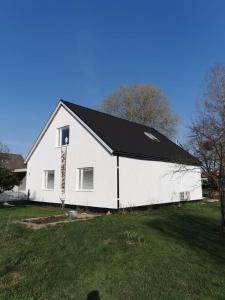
{"x":63,"y":136}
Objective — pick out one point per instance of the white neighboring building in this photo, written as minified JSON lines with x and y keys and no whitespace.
{"x":110,"y":162}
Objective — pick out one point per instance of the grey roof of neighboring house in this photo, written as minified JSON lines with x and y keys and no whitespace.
{"x":12,"y":161}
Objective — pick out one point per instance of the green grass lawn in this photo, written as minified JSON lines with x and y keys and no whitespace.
{"x":166,"y":253}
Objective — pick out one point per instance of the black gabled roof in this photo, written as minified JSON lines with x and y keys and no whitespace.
{"x":127,"y":138}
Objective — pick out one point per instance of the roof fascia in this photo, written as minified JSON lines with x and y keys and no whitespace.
{"x":87,"y":128}
{"x":42,"y":133}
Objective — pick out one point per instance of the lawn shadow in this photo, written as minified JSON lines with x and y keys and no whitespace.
{"x":94,"y":295}
{"x":15,"y":204}
{"x":197,"y":232}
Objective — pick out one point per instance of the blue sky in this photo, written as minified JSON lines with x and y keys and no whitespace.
{"x":83,"y":50}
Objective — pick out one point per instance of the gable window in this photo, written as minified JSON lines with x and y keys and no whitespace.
{"x":63,"y":136}
{"x":48,"y":180}
{"x":85,"y":179}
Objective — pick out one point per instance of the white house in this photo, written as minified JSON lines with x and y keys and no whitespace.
{"x":89,"y":158}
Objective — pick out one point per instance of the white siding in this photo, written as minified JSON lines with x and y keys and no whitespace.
{"x":83,"y":151}
{"x":145,"y":182}
{"x":141,"y":182}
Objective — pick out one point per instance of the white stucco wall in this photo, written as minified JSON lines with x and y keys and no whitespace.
{"x":83,"y":151}
{"x":141,"y":182}
{"x":145,"y":182}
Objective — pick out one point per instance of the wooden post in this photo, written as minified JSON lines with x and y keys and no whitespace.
{"x":222,"y":197}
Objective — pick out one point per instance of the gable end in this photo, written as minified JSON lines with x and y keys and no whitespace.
{"x":61,"y":104}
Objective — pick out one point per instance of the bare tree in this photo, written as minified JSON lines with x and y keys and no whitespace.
{"x":4,"y":148}
{"x":208,"y":131}
{"x":144,"y":104}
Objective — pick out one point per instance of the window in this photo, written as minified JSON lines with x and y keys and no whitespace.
{"x":151,"y":136}
{"x":49,"y":178}
{"x":63,"y":136}
{"x":85,"y":179}
{"x":184,"y":196}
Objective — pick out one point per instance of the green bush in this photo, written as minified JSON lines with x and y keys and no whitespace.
{"x":8,"y":180}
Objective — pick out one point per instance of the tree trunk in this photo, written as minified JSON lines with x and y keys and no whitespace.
{"x":222,"y":206}
{"x":222,"y":195}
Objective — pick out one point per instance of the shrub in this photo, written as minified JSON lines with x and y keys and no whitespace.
{"x":8,"y":180}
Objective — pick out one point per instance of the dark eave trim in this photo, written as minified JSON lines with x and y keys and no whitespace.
{"x":154,"y":158}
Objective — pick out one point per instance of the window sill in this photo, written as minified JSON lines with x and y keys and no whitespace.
{"x":51,"y":190}
{"x":84,"y":190}
{"x":61,"y":146}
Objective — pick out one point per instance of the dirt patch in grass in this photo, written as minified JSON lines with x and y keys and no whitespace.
{"x":47,"y":220}
{"x":10,"y":280}
{"x":130,"y":243}
{"x":107,"y":242}
{"x":42,"y":222}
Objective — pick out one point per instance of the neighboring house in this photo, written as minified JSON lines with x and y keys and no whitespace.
{"x":11,"y":161}
{"x":15,"y":163}
{"x":89,"y":158}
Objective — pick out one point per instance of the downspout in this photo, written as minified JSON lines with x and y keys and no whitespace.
{"x":118,"y":182}
{"x":28,"y":195}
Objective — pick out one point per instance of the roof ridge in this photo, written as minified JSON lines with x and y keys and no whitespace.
{"x":133,"y":125}
{"x":108,"y":115}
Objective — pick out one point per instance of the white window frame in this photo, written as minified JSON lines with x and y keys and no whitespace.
{"x":79,"y":181}
{"x":59,"y":136}
{"x":45,"y":180}
{"x":185,"y":196}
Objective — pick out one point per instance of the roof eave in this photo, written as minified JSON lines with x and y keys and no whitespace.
{"x":154,"y":158}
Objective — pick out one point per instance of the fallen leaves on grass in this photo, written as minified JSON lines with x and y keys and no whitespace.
{"x":10,"y":279}
{"x":133,"y":238}
{"x":108,"y":242}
